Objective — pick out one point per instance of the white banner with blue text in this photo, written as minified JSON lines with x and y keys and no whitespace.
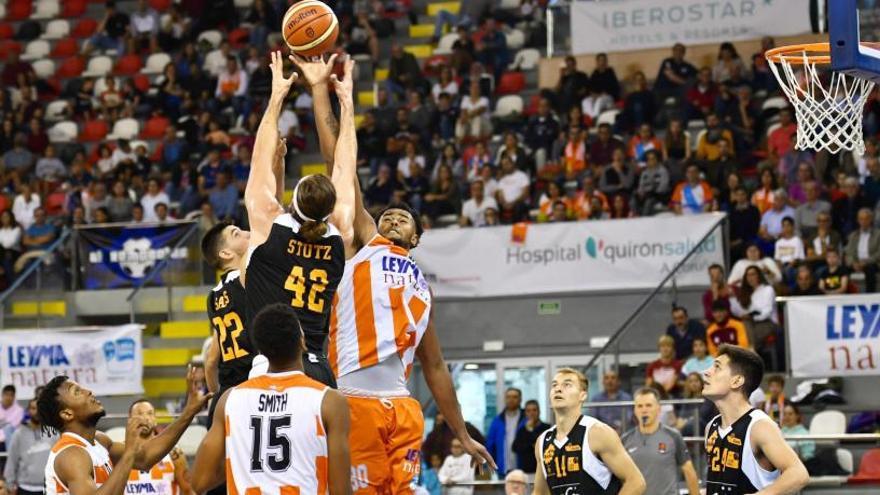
{"x":624,"y":25}
{"x":569,"y":257}
{"x":833,"y":336}
{"x":105,"y":360}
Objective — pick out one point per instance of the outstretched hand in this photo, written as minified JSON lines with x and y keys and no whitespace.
{"x":196,"y":398}
{"x":315,"y":71}
{"x":344,"y":88}
{"x":280,"y":84}
{"x":480,"y":457}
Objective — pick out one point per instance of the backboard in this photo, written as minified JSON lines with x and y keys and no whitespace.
{"x":849,"y":23}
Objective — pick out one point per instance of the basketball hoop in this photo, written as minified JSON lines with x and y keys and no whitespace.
{"x":828,"y":110}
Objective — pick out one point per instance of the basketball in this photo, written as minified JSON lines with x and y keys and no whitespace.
{"x":310,"y":28}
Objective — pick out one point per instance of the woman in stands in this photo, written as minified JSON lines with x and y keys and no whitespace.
{"x":792,"y":424}
{"x":755,"y":305}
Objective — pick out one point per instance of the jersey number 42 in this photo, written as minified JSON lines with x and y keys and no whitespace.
{"x":296,"y":283}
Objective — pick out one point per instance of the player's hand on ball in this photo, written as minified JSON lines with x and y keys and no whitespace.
{"x":479,"y":455}
{"x":196,"y":398}
{"x":344,"y":88}
{"x":280,"y":84}
{"x":315,"y":71}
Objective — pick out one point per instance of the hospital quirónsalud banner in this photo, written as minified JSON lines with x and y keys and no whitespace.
{"x":833,"y":335}
{"x":569,"y":257}
{"x":105,"y":360}
{"x":624,"y":25}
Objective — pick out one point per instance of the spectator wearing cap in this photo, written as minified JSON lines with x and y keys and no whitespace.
{"x":863,"y":249}
{"x":683,"y":330}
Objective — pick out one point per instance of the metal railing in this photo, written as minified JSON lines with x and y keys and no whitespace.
{"x":155,"y":270}
{"x":34,"y":266}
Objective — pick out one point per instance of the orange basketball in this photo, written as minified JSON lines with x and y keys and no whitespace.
{"x":310,"y":28}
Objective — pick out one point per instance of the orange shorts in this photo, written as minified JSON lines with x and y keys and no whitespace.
{"x":385,"y":442}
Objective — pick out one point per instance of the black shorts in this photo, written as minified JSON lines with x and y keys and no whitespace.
{"x":317,"y":368}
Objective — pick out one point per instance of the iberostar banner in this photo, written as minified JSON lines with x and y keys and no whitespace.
{"x":120,"y":255}
{"x":623,"y":25}
{"x":833,"y":336}
{"x":568,"y":257}
{"x":106,"y":360}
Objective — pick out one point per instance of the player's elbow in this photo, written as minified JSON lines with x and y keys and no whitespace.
{"x":800,"y":476}
{"x":637,"y":482}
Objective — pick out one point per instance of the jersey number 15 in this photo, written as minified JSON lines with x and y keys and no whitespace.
{"x":276,"y":440}
{"x":296,"y":283}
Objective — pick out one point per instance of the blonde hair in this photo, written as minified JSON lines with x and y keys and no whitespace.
{"x":666,"y":339}
{"x":582,"y":379}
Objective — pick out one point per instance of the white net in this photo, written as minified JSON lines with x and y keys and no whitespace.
{"x":828,"y":105}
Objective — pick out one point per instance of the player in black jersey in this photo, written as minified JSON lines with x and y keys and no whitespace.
{"x":297,"y":257}
{"x":580,"y":455}
{"x":746,"y":451}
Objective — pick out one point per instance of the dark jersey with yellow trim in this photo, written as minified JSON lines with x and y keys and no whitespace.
{"x":732,"y":468}
{"x":570,"y":467}
{"x":288,"y":269}
{"x":227,"y":311}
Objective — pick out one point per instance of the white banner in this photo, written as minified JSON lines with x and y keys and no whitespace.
{"x":833,"y":336}
{"x":568,"y":257}
{"x":623,"y":25}
{"x":106,"y":360}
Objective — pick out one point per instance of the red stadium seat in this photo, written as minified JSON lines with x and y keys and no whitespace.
{"x":532,"y":107}
{"x":155,"y":128}
{"x":5,"y":203}
{"x":239,"y":37}
{"x":73,"y":8}
{"x":18,"y":10}
{"x":869,"y":469}
{"x":9,"y":46}
{"x":85,"y":28}
{"x":511,"y":83}
{"x":6,"y":31}
{"x":141,"y":82}
{"x":160,"y":5}
{"x":54,"y":204}
{"x":66,"y":47}
{"x":434,"y":63}
{"x":128,"y":65}
{"x":94,"y":130}
{"x":71,"y":67}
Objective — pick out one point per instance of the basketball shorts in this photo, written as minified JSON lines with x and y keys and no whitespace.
{"x":385,"y":441}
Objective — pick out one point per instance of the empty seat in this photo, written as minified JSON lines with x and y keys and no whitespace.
{"x":526,"y":59}
{"x":36,"y":49}
{"x":56,"y":29}
{"x":160,"y":5}
{"x":56,"y":110}
{"x":101,"y":86}
{"x":85,"y":28}
{"x":46,"y":9}
{"x":99,"y":66}
{"x":71,"y":67}
{"x":776,"y":102}
{"x":213,"y":37}
{"x":869,"y":469}
{"x":73,"y":8}
{"x":828,"y":423}
{"x":128,"y":65}
{"x":511,"y":83}
{"x":516,"y":39}
{"x":93,"y":130}
{"x":124,"y":129}
{"x":2,"y":10}
{"x":444,"y":46}
{"x":9,"y":46}
{"x":62,"y":132}
{"x":508,"y":105}
{"x":6,"y":31}
{"x":18,"y":11}
{"x":44,"y":68}
{"x":155,"y":128}
{"x":156,"y":63}
{"x":141,"y":82}
{"x":64,"y":48}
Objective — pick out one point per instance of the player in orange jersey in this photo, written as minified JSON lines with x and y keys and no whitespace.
{"x":85,"y":461}
{"x":380,"y":321}
{"x":281,"y":433}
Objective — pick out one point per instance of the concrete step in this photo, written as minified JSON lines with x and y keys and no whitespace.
{"x":195,"y":303}
{"x":154,"y":358}
{"x":421,"y":30}
{"x":57,"y":308}
{"x":435,"y":7}
{"x":164,"y":387}
{"x":420,"y":51}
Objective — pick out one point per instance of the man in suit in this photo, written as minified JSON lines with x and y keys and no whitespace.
{"x":863,"y":249}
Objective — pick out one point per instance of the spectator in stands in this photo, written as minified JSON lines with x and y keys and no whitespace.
{"x":548,"y":199}
{"x":807,"y":214}
{"x":559,"y":212}
{"x":473,"y":121}
{"x":763,"y":197}
{"x":224,"y":198}
{"x":685,"y":423}
{"x":14,"y":68}
{"x":774,"y":399}
{"x":676,"y":150}
{"x":683,"y":330}
{"x":428,"y":476}
{"x":771,"y":220}
{"x":863,"y":249}
{"x":517,"y":153}
{"x":617,"y":417}
{"x":658,"y":450}
{"x":604,"y":79}
{"x":463,"y":52}
{"x":755,"y":304}
{"x":513,"y":191}
{"x":642,"y":143}
{"x":153,"y":196}
{"x":781,"y":140}
{"x":792,"y":424}
{"x":94,"y":197}
{"x":516,"y":482}
{"x":527,"y":435}
{"x":724,"y":165}
{"x":718,"y":290}
{"x":725,"y":330}
{"x":700,"y":360}
{"x":381,"y":188}
{"x":444,"y":197}
{"x":404,"y":72}
{"x":163,"y":214}
{"x":665,"y":370}
{"x":788,"y":250}
{"x":144,"y":28}
{"x":49,"y":170}
{"x":101,"y":215}
{"x":473,"y":212}
{"x":595,"y":103}
{"x":492,"y":49}
{"x":10,"y":242}
{"x":653,"y":187}
{"x":729,"y":67}
{"x":701,"y":96}
{"x":639,"y":107}
{"x":845,"y":209}
{"x":440,"y":437}
{"x":754,"y":258}
{"x":693,"y":195}
{"x":709,"y":144}
{"x":589,"y":202}
{"x":232,"y":87}
{"x":11,"y":414}
{"x":602,"y":148}
{"x":675,"y":74}
{"x":542,"y":130}
{"x":805,"y":285}
{"x":18,"y":160}
{"x":574,"y":154}
{"x":617,"y":177}
{"x":502,"y":431}
{"x":40,"y":235}
{"x":120,"y":204}
{"x":137,"y":213}
{"x":445,"y":84}
{"x":37,"y":140}
{"x":27,"y":455}
{"x":833,"y":277}
{"x":620,"y":207}
{"x":456,"y":470}
{"x":572,"y":86}
{"x":25,"y":205}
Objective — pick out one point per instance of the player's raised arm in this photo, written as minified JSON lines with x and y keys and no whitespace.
{"x":608,"y":447}
{"x":260,"y":194}
{"x":76,"y":470}
{"x":316,"y":73}
{"x":345,"y":159}
{"x":335,"y":415}
{"x":209,"y":467}
{"x":278,"y":169}
{"x":792,"y":474}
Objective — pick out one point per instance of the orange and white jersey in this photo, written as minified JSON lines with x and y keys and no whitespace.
{"x":381,"y":309}
{"x":159,"y":480}
{"x":275,"y":440}
{"x":100,"y":461}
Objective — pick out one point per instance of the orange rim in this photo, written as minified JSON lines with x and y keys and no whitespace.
{"x":800,"y":54}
